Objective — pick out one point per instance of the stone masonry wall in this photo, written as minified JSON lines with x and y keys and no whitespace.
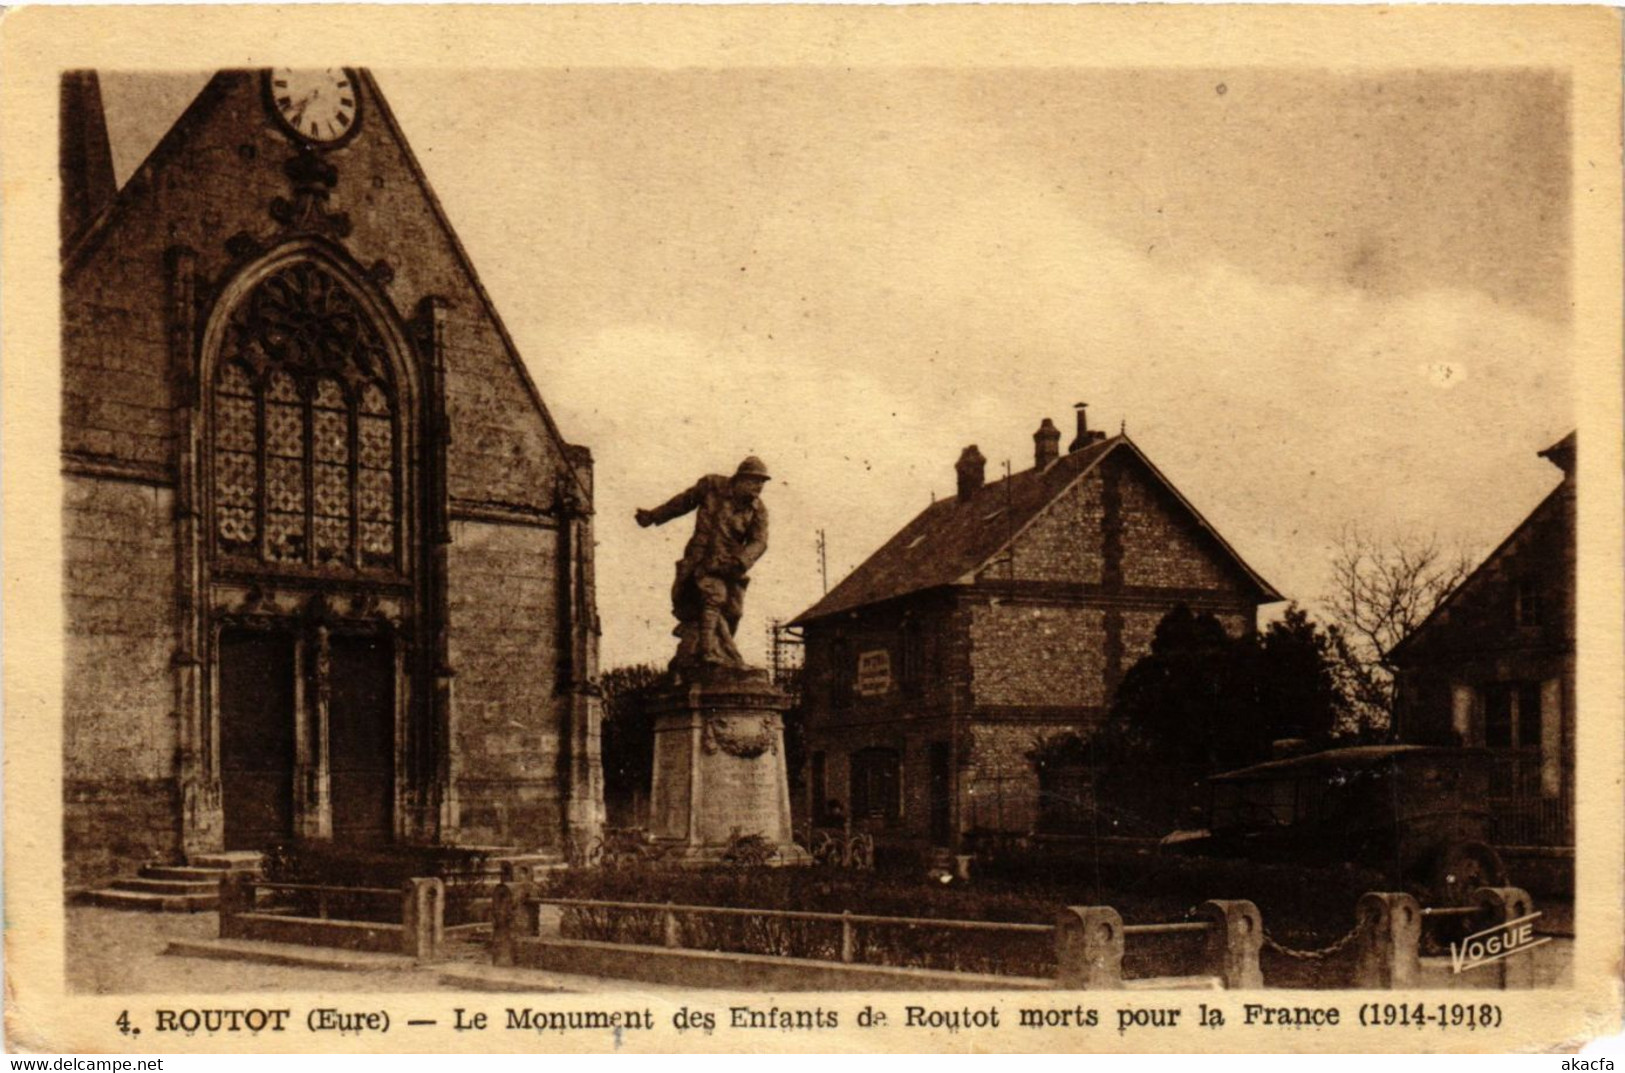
{"x":1065,"y":541}
{"x":120,"y":741}
{"x":940,"y":645}
{"x":1140,"y":627}
{"x":999,"y":785}
{"x":912,"y":742}
{"x":504,"y":645}
{"x":1031,"y":653}
{"x":1162,"y":546}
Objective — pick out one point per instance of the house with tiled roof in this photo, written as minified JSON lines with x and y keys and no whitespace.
{"x":1493,"y":667}
{"x":998,"y":616}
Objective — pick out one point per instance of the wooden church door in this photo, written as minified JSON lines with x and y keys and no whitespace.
{"x":361,"y":738}
{"x":257,"y":713}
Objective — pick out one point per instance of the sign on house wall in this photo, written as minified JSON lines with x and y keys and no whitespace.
{"x":874,"y":672}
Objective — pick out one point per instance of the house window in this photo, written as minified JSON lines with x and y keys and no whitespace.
{"x":1512,"y":715}
{"x":1528,"y":608}
{"x":1528,"y":715}
{"x":1498,"y":717}
{"x":842,"y":672}
{"x":818,"y":776}
{"x":913,"y":658}
{"x":305,"y":433}
{"x":875,"y":790}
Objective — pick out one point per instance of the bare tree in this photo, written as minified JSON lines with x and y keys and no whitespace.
{"x":1383,"y":587}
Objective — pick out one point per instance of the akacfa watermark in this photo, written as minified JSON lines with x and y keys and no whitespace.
{"x":1492,"y":944}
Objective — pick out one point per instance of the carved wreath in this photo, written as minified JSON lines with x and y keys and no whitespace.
{"x":748,"y":740}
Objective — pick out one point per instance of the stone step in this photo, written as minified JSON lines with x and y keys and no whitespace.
{"x":149,"y":885}
{"x":234,"y":860}
{"x":308,"y":957}
{"x":182,"y":871}
{"x":156,"y":903}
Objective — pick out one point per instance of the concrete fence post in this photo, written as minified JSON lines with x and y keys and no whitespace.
{"x":1231,"y":945}
{"x":1089,"y":948}
{"x":669,"y":933}
{"x":510,"y":914}
{"x":236,"y":898}
{"x":423,"y":918}
{"x":1502,"y":905}
{"x":846,"y":935}
{"x":518,"y":872}
{"x":1387,"y":950}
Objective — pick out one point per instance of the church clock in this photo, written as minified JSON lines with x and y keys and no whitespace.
{"x":319,"y":107}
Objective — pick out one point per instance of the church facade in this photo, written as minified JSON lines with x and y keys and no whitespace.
{"x":328,"y":560}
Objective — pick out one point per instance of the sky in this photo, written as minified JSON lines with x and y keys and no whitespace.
{"x":1314,"y":298}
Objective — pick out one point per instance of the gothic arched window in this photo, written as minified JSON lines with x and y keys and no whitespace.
{"x":305,"y":434}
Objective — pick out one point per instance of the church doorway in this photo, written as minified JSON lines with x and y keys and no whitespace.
{"x":310,"y":563}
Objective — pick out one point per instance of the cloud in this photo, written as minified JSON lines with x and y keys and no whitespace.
{"x":1283,"y":412}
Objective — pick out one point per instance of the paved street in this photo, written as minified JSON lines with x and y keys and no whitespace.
{"x":113,"y":951}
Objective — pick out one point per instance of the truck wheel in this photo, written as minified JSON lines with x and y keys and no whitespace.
{"x":1460,"y":868}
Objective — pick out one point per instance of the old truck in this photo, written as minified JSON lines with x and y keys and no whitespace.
{"x":1418,"y":813}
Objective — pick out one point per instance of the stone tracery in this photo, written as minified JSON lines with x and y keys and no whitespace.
{"x":304,"y":451}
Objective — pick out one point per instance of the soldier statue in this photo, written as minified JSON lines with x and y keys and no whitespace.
{"x":730,"y":534}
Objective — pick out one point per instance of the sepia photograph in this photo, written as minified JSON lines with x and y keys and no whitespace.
{"x":1174,"y":579}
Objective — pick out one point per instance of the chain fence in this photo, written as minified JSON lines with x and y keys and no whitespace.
{"x":1316,"y":955}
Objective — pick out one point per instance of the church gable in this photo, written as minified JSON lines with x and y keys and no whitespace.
{"x":229,"y":184}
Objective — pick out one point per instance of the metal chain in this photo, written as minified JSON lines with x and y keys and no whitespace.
{"x":1316,"y":955}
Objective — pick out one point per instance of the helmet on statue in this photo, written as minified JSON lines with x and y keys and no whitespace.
{"x":752,"y":467}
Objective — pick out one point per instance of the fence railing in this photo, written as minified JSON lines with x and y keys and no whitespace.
{"x":1087,"y":942}
{"x":1383,"y":950}
{"x":417,"y":908}
{"x":1520,"y":813}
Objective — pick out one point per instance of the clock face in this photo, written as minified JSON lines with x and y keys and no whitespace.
{"x":319,"y":106}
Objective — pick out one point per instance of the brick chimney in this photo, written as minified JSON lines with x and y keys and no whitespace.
{"x":1085,"y":435}
{"x":1046,"y":444}
{"x":971,"y":468}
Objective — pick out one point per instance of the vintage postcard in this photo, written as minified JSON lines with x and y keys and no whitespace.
{"x":1190,"y":617}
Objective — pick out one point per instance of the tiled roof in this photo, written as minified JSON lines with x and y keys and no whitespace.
{"x":948,"y":541}
{"x":1560,"y":454}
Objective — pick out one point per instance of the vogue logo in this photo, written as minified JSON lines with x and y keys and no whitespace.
{"x":1493,"y":944}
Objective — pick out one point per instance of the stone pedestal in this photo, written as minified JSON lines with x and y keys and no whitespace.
{"x":719,"y":768}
